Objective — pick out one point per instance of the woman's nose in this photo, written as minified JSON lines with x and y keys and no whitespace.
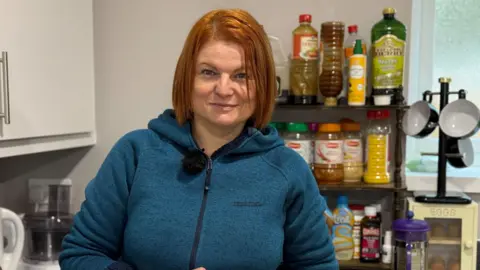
{"x":224,"y":85}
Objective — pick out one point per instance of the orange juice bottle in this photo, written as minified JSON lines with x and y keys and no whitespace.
{"x":357,"y":76}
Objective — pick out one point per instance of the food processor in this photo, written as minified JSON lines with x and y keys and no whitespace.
{"x":46,"y":223}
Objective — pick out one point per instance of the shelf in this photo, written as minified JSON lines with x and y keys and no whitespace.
{"x":357,"y":265}
{"x":283,"y":107}
{"x":360,"y":186}
{"x":454,"y":241}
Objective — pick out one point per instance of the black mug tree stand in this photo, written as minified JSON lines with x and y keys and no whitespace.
{"x":442,"y":197}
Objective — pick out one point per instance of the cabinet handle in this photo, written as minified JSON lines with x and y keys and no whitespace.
{"x":6,"y":88}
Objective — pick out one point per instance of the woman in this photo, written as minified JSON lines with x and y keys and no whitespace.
{"x":208,"y":185}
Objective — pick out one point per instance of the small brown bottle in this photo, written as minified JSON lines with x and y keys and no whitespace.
{"x":370,"y":236}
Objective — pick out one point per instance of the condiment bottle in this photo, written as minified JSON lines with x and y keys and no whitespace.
{"x":357,"y":76}
{"x":304,"y":63}
{"x":328,"y":167}
{"x":342,"y":230}
{"x":352,"y":152}
{"x":370,"y":234}
{"x":299,"y":140}
{"x":331,"y":77}
{"x":387,"y":248}
{"x":388,"y":53}
{"x":378,"y":157}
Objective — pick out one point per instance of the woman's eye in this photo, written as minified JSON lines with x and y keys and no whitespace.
{"x":208,"y":72}
{"x":241,"y":76}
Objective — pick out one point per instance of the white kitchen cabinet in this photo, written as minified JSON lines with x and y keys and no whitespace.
{"x":50,"y":88}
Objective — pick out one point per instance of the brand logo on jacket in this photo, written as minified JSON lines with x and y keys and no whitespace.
{"x":248,"y":204}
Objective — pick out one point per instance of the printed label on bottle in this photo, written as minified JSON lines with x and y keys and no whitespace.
{"x":357,"y":80}
{"x":388,"y":58}
{"x":305,"y":47}
{"x":328,"y":152}
{"x":303,"y":148}
{"x":352,"y":149}
{"x":370,"y":243}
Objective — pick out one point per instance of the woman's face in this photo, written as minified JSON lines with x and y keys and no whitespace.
{"x":220,"y":95}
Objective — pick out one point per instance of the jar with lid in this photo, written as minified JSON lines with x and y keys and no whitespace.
{"x":328,"y":167}
{"x":378,"y":156}
{"x":352,"y":152}
{"x":298,"y":139}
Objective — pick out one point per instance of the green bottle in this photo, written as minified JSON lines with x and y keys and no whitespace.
{"x":388,"y":53}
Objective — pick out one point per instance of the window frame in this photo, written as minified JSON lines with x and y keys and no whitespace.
{"x":421,"y":62}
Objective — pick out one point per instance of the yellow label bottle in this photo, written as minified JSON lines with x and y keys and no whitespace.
{"x":357,"y":77}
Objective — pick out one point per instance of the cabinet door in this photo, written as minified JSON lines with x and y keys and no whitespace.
{"x":50,"y":67}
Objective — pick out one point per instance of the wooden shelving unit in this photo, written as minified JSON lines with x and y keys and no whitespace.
{"x":289,"y":113}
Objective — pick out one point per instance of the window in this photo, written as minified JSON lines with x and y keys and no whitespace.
{"x":445,"y":42}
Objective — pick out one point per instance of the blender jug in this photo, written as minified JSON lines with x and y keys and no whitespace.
{"x":411,"y":243}
{"x":45,"y":229}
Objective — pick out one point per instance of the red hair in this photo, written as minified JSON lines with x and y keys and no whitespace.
{"x":229,"y":25}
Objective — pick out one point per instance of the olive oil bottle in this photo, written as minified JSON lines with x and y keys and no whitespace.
{"x":388,"y":53}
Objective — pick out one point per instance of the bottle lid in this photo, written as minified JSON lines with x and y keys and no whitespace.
{"x":388,"y":238}
{"x":370,"y":211}
{"x":410,"y":225}
{"x":358,"y":49}
{"x":313,"y":127}
{"x":280,"y":126}
{"x":354,"y":127}
{"x":352,"y":28}
{"x":356,"y":207}
{"x":305,"y":18}
{"x":378,"y":114}
{"x":342,"y":200}
{"x":297,"y":127}
{"x":389,"y":10}
{"x":329,"y":127}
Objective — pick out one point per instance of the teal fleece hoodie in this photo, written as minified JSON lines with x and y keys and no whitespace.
{"x":253,"y":206}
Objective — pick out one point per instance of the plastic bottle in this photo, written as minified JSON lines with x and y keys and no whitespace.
{"x":298,"y":138}
{"x":387,"y":248}
{"x":333,"y":59}
{"x":342,"y":230}
{"x":370,"y":236}
{"x":377,"y":145}
{"x":388,"y":53}
{"x":348,"y":51}
{"x":304,"y":64}
{"x":357,"y":76}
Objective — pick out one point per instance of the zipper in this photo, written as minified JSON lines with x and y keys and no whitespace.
{"x":198,"y":229}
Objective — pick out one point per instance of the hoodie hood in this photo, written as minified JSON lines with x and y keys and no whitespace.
{"x":250,"y":141}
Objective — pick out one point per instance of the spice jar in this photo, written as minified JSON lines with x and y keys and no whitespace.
{"x":328,"y":167}
{"x":352,"y":152}
{"x":299,"y":140}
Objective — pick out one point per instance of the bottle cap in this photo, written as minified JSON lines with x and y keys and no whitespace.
{"x":305,"y":18}
{"x":313,"y":127}
{"x":370,"y":211}
{"x":352,"y":28}
{"x":358,"y":49}
{"x":378,"y":114}
{"x":342,"y":200}
{"x":352,"y":127}
{"x":329,"y":127}
{"x":297,"y":127}
{"x":388,"y":238}
{"x":389,"y":10}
